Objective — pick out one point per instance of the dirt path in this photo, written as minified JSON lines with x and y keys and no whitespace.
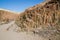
{"x":11,"y":35}
{"x":5,"y":26}
{"x":18,"y":36}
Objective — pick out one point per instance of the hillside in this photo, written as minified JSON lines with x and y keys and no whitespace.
{"x":47,"y":15}
{"x":6,"y":15}
{"x":42,"y":19}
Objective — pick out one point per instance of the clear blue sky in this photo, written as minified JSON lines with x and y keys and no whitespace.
{"x":18,"y":5}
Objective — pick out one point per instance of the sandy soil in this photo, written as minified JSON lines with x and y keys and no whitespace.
{"x":12,"y":35}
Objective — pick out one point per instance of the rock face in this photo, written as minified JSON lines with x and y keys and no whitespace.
{"x":43,"y":19}
{"x":7,"y":16}
{"x":48,"y":14}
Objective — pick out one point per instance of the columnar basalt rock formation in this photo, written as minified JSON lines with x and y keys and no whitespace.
{"x":49,"y":14}
{"x":44,"y":16}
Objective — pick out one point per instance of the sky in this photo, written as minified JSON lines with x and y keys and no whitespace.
{"x":18,"y":5}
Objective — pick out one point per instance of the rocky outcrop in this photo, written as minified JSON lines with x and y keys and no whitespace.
{"x":42,"y":19}
{"x":49,"y":14}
